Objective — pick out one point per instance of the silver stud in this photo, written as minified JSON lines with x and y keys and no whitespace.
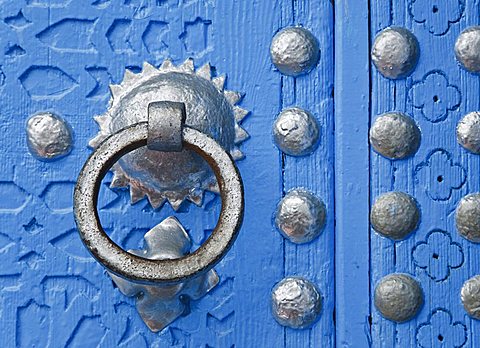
{"x":395,"y":135}
{"x":395,"y":215}
{"x":467,"y":217}
{"x":398,"y":297}
{"x":395,"y":52}
{"x":296,"y":132}
{"x":470,"y":295}
{"x":467,"y":49}
{"x":468,"y":132}
{"x":48,"y":136}
{"x":294,"y":51}
{"x":300,"y":216}
{"x":296,"y":303}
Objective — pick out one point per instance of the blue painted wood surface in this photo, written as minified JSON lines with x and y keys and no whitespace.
{"x":60,"y":56}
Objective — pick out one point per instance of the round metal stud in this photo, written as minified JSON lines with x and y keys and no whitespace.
{"x":296,"y":303}
{"x":467,"y":217}
{"x":395,"y":135}
{"x":468,"y":132}
{"x":467,"y":49}
{"x":395,"y":52}
{"x":395,"y":215}
{"x":294,"y":51}
{"x":48,"y":136}
{"x":296,"y":132}
{"x":470,"y":296}
{"x":138,"y":269}
{"x":398,"y":297}
{"x":300,"y":216}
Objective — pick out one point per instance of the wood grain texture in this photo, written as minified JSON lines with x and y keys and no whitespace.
{"x":436,"y":28}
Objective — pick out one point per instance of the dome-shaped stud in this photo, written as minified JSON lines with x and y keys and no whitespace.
{"x":48,"y":136}
{"x":468,"y":132}
{"x":395,"y":52}
{"x":398,"y":297}
{"x":467,"y":217}
{"x":395,"y":215}
{"x":294,"y":51}
{"x":467,"y":49}
{"x":300,"y":216}
{"x":395,"y":135}
{"x":296,"y":132}
{"x":296,"y":303}
{"x":470,"y":296}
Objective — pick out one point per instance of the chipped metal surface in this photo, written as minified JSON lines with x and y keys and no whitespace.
{"x":467,"y":49}
{"x":296,"y":132}
{"x":467,"y":217}
{"x":395,"y":52}
{"x":209,"y":108}
{"x":48,"y":136}
{"x":137,"y":269}
{"x":470,"y":296}
{"x":294,"y":51}
{"x":296,"y":303}
{"x":395,"y":135}
{"x":468,"y":132}
{"x":395,"y":215}
{"x":300,"y":216}
{"x":398,"y":297}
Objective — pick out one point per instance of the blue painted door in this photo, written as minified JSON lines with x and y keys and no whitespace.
{"x":60,"y":56}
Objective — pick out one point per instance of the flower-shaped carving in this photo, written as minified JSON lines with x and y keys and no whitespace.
{"x":441,"y":329}
{"x":437,"y":15}
{"x":440,"y":175}
{"x":434,"y":96}
{"x":438,"y":255}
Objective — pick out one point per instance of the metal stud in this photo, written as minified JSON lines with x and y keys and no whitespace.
{"x":395,"y":52}
{"x":467,"y":49}
{"x":467,"y":217}
{"x":300,"y":216}
{"x":395,"y":215}
{"x":48,"y":136}
{"x":398,"y":297}
{"x":296,"y":303}
{"x":296,"y":132}
{"x":468,"y":132}
{"x":294,"y":51}
{"x":470,"y":296}
{"x":395,"y":135}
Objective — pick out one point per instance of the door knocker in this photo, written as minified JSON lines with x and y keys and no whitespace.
{"x":165,"y":274}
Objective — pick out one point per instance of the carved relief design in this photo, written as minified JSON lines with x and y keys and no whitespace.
{"x":441,"y":175}
{"x":434,"y":96}
{"x":436,"y":16}
{"x":441,"y":331}
{"x":438,"y":255}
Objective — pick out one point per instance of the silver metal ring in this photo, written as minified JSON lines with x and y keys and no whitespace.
{"x":136,"y":268}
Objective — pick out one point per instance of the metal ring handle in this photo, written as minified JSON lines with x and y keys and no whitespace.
{"x":136,"y":268}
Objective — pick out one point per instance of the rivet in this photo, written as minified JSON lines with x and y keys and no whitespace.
{"x":300,"y":216}
{"x":395,"y":135}
{"x":467,"y":217}
{"x":296,"y":303}
{"x":468,"y":132}
{"x":48,"y":136}
{"x":395,"y":52}
{"x":294,"y":51}
{"x":395,"y":215}
{"x":398,"y":297}
{"x":470,"y":296}
{"x":467,"y":49}
{"x":296,"y":132}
